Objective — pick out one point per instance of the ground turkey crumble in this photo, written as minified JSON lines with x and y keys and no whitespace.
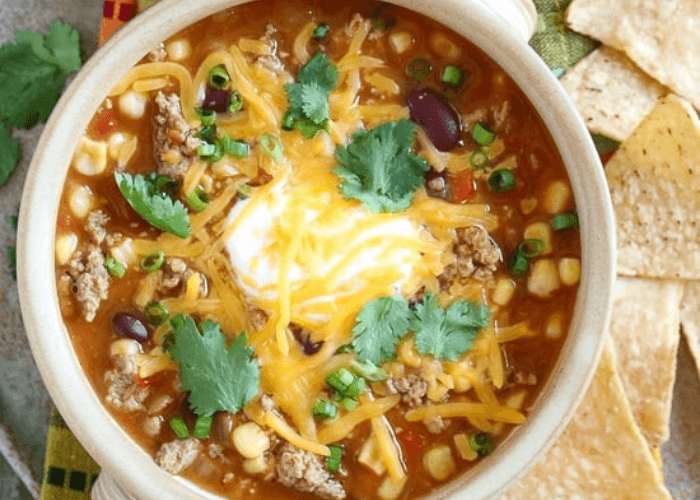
{"x":90,"y":280}
{"x":177,"y":455}
{"x":174,"y":142}
{"x":304,"y":471}
{"x":477,"y":256}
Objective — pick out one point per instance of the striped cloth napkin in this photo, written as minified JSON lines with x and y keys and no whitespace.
{"x":69,"y":472}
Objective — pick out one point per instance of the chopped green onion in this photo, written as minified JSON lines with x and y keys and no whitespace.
{"x":153,"y":262}
{"x":202,"y":427}
{"x":218,"y":77}
{"x":451,"y":75}
{"x":419,"y":69}
{"x":479,"y":159}
{"x":206,"y":116}
{"x":165,"y":184}
{"x":208,"y":134}
{"x":345,"y":349}
{"x":235,"y":102}
{"x":518,"y":264}
{"x":324,"y":410}
{"x":501,"y":180}
{"x":244,"y":191}
{"x":272,"y":146}
{"x":349,"y":404}
{"x":334,"y":459}
{"x":288,"y":120}
{"x":206,"y":150}
{"x":115,"y":268}
{"x":564,"y":221}
{"x":356,"y":388}
{"x":155,"y":313}
{"x":168,"y":341}
{"x":340,"y":380}
{"x":321,"y":31}
{"x":197,"y":200}
{"x":236,"y":148}
{"x":531,"y":248}
{"x":481,"y":443}
{"x":369,"y":371}
{"x":179,"y":427}
{"x":482,"y":134}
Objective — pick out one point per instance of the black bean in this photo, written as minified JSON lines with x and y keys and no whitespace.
{"x":130,"y":326}
{"x":434,"y":113}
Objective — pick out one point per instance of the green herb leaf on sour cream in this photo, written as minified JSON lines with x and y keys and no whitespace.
{"x":155,"y":207}
{"x":217,"y":378}
{"x":379,"y":167}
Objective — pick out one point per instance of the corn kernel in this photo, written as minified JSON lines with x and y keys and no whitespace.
{"x":570,"y":270}
{"x":540,"y":231}
{"x":400,"y":41}
{"x":133,"y":104}
{"x":91,"y":157}
{"x":389,"y":490}
{"x":439,"y":462}
{"x":66,"y":245}
{"x":81,"y":201}
{"x":557,"y":197}
{"x":544,"y":278}
{"x":178,"y":49}
{"x":250,"y":440}
{"x":503,"y":292}
{"x":445,"y":47}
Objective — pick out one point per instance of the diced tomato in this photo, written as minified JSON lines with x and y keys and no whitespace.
{"x":463,"y":186}
{"x":104,"y":123}
{"x":411,"y":442}
{"x":144,"y":383}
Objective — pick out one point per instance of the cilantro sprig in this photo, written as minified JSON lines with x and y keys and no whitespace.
{"x":154,"y":206}
{"x":443,"y":333}
{"x":379,"y":167}
{"x":33,"y":72}
{"x":380,"y":325}
{"x":217,"y":378}
{"x":308,"y":97}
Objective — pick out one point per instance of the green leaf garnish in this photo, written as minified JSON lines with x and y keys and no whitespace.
{"x":379,"y":326}
{"x":156,"y":208}
{"x":447,"y":333}
{"x":218,"y":379}
{"x":59,"y":47}
{"x":33,"y":72}
{"x":308,"y":98}
{"x":379,"y":168}
{"x":10,"y":152}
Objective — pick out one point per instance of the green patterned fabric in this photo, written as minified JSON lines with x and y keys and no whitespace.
{"x":69,"y":471}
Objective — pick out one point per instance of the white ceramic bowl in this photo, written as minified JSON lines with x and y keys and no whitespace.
{"x":500,"y":28}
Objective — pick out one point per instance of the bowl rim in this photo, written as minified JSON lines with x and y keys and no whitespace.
{"x":100,"y":434}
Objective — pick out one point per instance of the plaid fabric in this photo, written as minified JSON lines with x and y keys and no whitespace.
{"x":69,"y":472}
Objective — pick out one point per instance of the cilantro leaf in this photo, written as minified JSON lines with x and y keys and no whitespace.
{"x":33,"y":72}
{"x":60,"y":47}
{"x":10,"y":152}
{"x":379,"y":326}
{"x":156,"y":208}
{"x":217,"y":378}
{"x":447,"y":334}
{"x":308,"y":98}
{"x":29,"y":86}
{"x":379,"y":168}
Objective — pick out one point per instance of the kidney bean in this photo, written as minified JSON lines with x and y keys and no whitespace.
{"x":433,"y":112}
{"x":130,"y":326}
{"x":216,"y":99}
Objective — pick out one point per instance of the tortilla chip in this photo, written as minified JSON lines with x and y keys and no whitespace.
{"x":654,"y":183}
{"x":601,"y":455}
{"x":661,"y":37}
{"x":645,"y":334}
{"x":690,"y":318}
{"x":611,"y":93}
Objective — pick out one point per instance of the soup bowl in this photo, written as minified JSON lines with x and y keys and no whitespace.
{"x":500,"y":29}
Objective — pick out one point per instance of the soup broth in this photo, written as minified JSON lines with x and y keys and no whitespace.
{"x":308,"y":250}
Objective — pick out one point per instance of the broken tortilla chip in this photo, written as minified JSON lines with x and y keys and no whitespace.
{"x":654,"y":180}
{"x":644,"y":331}
{"x":690,"y":318}
{"x":661,"y":37}
{"x":611,"y":93}
{"x":601,"y":455}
